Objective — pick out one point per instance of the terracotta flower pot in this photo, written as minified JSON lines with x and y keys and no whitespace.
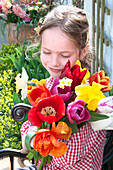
{"x":26,"y":33}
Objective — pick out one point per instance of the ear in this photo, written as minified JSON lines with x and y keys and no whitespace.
{"x":84,"y":51}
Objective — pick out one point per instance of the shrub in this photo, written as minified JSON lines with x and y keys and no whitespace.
{"x":12,"y":59}
{"x":9,"y":129}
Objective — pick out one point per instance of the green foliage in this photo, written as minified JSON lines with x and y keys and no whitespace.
{"x":9,"y":129}
{"x":4,"y":60}
{"x":16,"y":56}
{"x":12,"y":59}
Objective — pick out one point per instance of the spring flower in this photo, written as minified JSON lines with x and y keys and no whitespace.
{"x":21,"y":83}
{"x":105,"y":105}
{"x":76,"y":111}
{"x":99,"y":77}
{"x":27,"y":19}
{"x":64,"y":82}
{"x":47,"y":110}
{"x":35,"y":83}
{"x":37,"y":94}
{"x":73,"y":73}
{"x":89,"y":94}
{"x":87,"y":75}
{"x":6,"y":3}
{"x":46,"y":141}
{"x":64,"y":92}
{"x":19,"y":11}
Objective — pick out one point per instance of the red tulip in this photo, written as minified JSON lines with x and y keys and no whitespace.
{"x":50,"y":109}
{"x":73,"y":73}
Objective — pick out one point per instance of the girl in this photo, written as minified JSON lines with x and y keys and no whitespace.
{"x":64,"y":36}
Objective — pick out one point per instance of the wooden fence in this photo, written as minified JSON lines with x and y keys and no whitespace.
{"x":98,"y":37}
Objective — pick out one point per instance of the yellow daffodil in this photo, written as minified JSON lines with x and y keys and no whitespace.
{"x":84,"y":81}
{"x":89,"y":94}
{"x":78,"y":62}
{"x":42,"y":82}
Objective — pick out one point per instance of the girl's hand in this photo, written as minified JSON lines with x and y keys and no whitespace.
{"x":24,"y":149}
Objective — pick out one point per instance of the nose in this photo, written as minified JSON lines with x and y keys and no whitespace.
{"x":55,"y":60}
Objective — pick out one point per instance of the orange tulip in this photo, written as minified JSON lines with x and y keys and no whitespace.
{"x":99,"y":77}
{"x":62,"y":131}
{"x":46,"y":140}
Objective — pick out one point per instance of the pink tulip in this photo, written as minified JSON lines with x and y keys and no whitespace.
{"x":77,"y":112}
{"x":65,"y":93}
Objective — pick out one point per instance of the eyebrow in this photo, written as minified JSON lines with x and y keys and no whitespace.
{"x":67,"y":51}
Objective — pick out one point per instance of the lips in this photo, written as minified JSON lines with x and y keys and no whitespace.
{"x":55,"y":70}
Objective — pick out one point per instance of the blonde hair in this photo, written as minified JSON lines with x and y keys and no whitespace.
{"x":71,"y":20}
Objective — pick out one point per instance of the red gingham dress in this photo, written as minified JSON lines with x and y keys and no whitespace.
{"x":84,"y":148}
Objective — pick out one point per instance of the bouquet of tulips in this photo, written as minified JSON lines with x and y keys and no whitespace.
{"x":74,"y":98}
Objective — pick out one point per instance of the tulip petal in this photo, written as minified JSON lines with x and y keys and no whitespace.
{"x":59,"y":151}
{"x":61,"y":131}
{"x":33,"y":118}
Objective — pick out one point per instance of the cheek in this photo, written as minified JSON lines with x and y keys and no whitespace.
{"x":74,"y":58}
{"x":43,"y":59}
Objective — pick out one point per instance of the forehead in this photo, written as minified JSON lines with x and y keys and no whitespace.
{"x":55,"y":39}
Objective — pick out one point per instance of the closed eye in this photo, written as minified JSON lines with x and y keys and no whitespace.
{"x":45,"y":52}
{"x":65,"y":56}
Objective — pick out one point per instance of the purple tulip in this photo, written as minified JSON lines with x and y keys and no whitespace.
{"x":65,"y":93}
{"x":77,"y":112}
{"x":105,"y":105}
{"x":26,"y":19}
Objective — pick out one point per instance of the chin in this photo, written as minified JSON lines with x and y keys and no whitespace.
{"x":55,"y":75}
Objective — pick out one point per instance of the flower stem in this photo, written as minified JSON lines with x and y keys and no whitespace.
{"x":43,"y":161}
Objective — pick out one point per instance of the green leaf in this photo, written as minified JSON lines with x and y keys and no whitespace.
{"x":96,"y":116}
{"x":28,"y":138}
{"x":16,"y":98}
{"x":111,"y":92}
{"x":5,"y":60}
{"x":71,"y":125}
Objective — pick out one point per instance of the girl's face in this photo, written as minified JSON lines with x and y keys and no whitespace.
{"x":56,"y":50}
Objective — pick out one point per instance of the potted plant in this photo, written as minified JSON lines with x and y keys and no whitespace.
{"x":21,"y":18}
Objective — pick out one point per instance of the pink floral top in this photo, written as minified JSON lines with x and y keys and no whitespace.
{"x":84,"y":148}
